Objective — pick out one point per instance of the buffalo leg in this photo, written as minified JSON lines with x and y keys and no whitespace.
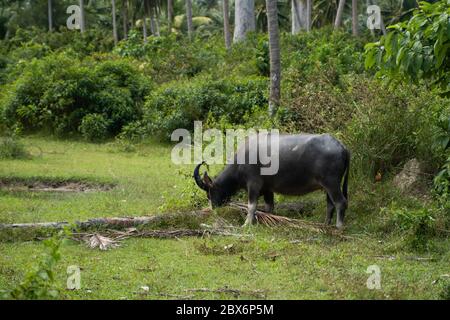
{"x":253,"y":195}
{"x":269,"y":203}
{"x":330,"y":209}
{"x":340,"y":203}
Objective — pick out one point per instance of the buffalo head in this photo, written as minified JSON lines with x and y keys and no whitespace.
{"x":217,"y":195}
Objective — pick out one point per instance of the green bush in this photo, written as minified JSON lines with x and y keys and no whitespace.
{"x":55,"y":93}
{"x":390,"y":128}
{"x":179,"y":104}
{"x":173,"y":57}
{"x":94,"y":127}
{"x":83,"y":44}
{"x":442,"y":183}
{"x":419,"y":226}
{"x":39,"y":283}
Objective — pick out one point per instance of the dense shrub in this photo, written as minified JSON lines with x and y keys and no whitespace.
{"x":55,"y":93}
{"x":172,"y":57}
{"x":94,"y":127}
{"x":390,"y":128}
{"x":86,"y":43}
{"x":307,"y":54}
{"x":179,"y":104}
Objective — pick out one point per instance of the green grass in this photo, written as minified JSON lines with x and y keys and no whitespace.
{"x":280,"y":263}
{"x":142,"y":179}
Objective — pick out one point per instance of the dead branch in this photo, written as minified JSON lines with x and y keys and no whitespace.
{"x":235,"y":292}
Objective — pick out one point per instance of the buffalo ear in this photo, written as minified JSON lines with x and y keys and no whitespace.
{"x":207,"y":179}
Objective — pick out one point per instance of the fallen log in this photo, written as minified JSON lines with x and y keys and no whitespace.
{"x":112,"y":223}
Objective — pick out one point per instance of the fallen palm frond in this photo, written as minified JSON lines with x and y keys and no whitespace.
{"x":102,"y":242}
{"x":272,"y":220}
{"x":111,"y":238}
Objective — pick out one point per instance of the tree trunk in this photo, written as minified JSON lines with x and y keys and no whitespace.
{"x":226,"y":25}
{"x":340,"y":11}
{"x":189,"y":18}
{"x":154,"y":21}
{"x":169,"y":15}
{"x":274,"y":50}
{"x":309,"y":4}
{"x":114,"y":22}
{"x":83,"y":17}
{"x":382,"y":26}
{"x":50,"y":16}
{"x":125,"y":18}
{"x":299,"y":14}
{"x":355,"y":17}
{"x":144,"y":27}
{"x":244,"y":19}
{"x":157,"y":25}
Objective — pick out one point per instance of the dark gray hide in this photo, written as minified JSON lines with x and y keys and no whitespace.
{"x":307,"y":162}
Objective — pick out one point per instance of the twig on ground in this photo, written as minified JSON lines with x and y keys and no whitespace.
{"x":235,"y":292}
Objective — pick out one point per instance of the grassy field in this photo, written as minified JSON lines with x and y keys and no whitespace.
{"x":279,"y":263}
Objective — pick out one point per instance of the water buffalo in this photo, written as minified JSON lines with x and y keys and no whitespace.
{"x":307,"y":162}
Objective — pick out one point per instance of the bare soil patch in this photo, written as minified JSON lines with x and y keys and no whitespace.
{"x":14,"y":184}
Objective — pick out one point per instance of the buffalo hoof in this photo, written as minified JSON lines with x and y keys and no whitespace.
{"x":249,"y":222}
{"x":340,"y":226}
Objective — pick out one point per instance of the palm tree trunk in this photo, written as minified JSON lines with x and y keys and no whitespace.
{"x":144,"y":26}
{"x":355,"y":17}
{"x":299,"y":15}
{"x":156,"y":23}
{"x":274,"y":50}
{"x":244,"y":19}
{"x":114,"y":22}
{"x":50,"y":16}
{"x":382,"y":26}
{"x":226,"y":25}
{"x":309,"y":5}
{"x":340,"y":11}
{"x":125,"y":18}
{"x":169,"y":15}
{"x":189,"y":18}
{"x":83,"y":17}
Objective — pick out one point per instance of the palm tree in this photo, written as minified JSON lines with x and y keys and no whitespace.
{"x":309,"y":5}
{"x":189,"y":18}
{"x":114,"y":22}
{"x":82,"y":17}
{"x":244,"y":18}
{"x":169,"y":15}
{"x":50,"y":16}
{"x":274,"y":53}
{"x":355,"y":17}
{"x":299,"y":16}
{"x":226,"y":25}
{"x":340,"y":11}
{"x":125,"y":18}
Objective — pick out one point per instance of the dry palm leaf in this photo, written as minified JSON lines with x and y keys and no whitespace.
{"x":272,"y":220}
{"x":103,"y":243}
